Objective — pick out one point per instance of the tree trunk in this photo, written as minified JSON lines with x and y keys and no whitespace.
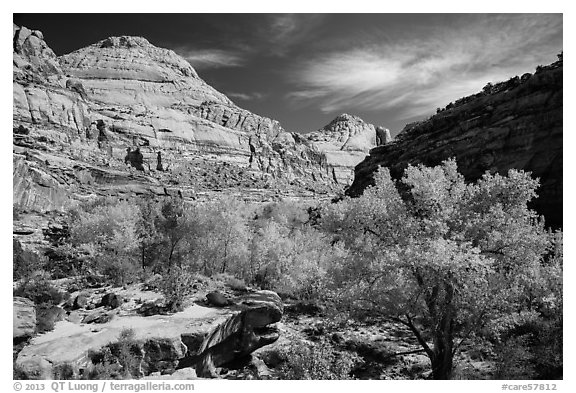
{"x":444,"y":337}
{"x":442,"y":359}
{"x":143,"y":258}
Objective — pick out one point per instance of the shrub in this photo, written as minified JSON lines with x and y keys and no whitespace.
{"x":231,"y":281}
{"x":128,"y":353}
{"x":315,"y":361}
{"x":118,"y":271}
{"x":63,"y":371}
{"x":47,"y":316}
{"x":41,"y":292}
{"x":515,"y":360}
{"x":104,"y":365}
{"x":24,"y":263}
{"x":176,"y":286}
{"x":119,"y":360}
{"x":18,"y":373}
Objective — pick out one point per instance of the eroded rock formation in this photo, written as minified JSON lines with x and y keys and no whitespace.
{"x":514,"y":124}
{"x":345,"y":142}
{"x":24,"y":318}
{"x":82,"y":111}
{"x":199,"y":337}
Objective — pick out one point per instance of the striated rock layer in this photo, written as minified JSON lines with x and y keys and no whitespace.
{"x":154,"y":96}
{"x":514,"y":124}
{"x":345,"y":142}
{"x":199,"y":337}
{"x":124,"y":118}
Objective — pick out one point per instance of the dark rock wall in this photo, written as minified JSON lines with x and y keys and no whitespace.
{"x":516,"y":124}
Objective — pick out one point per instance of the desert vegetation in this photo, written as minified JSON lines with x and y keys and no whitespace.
{"x":463,"y":267}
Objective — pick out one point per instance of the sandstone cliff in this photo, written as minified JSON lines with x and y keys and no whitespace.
{"x":513,"y":124}
{"x":345,"y":142}
{"x":124,"y":118}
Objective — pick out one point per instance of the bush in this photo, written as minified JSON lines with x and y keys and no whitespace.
{"x":117,"y":271}
{"x":176,"y":286}
{"x":515,"y":360}
{"x":47,"y":316}
{"x":41,"y":292}
{"x":119,"y":360}
{"x":231,"y":281}
{"x":63,"y":371}
{"x":24,"y":263}
{"x":104,"y":366}
{"x":315,"y":361}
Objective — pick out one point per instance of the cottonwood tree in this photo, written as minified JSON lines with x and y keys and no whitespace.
{"x":149,"y":236}
{"x":222,"y":243}
{"x":174,"y":224}
{"x":105,"y":233}
{"x":440,"y":256}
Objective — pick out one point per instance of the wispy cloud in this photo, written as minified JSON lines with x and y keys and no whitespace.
{"x":415,"y":75}
{"x":212,"y":58}
{"x":283,"y":31}
{"x":254,"y":96}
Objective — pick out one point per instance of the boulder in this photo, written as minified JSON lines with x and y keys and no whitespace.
{"x":240,"y":335}
{"x":47,"y":316}
{"x":76,"y":86}
{"x":217,"y":299}
{"x":98,"y":317}
{"x":111,"y":300}
{"x":152,"y":308}
{"x":24,"y":318}
{"x":80,"y":301}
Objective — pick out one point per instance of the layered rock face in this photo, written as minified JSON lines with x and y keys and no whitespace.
{"x":198,"y":337}
{"x":24,"y":318}
{"x":154,"y":95}
{"x":513,"y":124}
{"x":345,"y":142}
{"x":93,"y":122}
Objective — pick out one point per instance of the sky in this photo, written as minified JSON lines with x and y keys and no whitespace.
{"x":305,"y":69}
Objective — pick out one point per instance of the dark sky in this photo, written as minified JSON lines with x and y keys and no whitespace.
{"x":305,"y":69}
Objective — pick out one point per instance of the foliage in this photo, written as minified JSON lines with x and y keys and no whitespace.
{"x":63,"y":371}
{"x":46,"y":317}
{"x":24,"y":263}
{"x":317,"y":361}
{"x":231,"y":281}
{"x":104,"y":231}
{"x":294,"y":262}
{"x":41,"y":291}
{"x":119,"y":360}
{"x":220,"y":240}
{"x":440,"y":256}
{"x":176,"y":286}
{"x":104,"y":366}
{"x":18,"y":373}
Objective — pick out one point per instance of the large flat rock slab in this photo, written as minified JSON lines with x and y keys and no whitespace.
{"x":70,"y":342}
{"x":199,"y":337}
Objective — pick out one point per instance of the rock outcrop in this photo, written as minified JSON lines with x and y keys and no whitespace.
{"x":198,"y":337}
{"x":513,"y":124}
{"x":77,"y":116}
{"x":155,"y":97}
{"x":24,"y":318}
{"x":345,"y":142}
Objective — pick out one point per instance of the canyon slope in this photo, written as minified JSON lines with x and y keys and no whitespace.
{"x":345,"y":142}
{"x":512,"y":124}
{"x":125,"y":118}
